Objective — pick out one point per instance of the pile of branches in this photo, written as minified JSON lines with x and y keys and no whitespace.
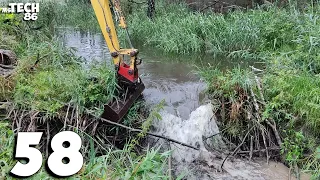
{"x":241,"y":106}
{"x":90,"y":127}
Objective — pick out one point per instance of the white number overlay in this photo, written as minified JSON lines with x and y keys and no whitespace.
{"x":59,"y":152}
{"x":55,"y":163}
{"x":23,"y":150}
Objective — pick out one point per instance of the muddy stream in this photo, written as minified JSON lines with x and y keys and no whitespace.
{"x":186,"y":116}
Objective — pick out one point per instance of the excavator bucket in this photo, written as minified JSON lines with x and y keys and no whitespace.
{"x":128,"y":79}
{"x":117,"y":108}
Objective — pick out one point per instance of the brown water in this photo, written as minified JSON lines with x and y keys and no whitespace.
{"x":168,"y":77}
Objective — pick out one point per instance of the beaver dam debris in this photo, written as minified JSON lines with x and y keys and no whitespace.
{"x":201,"y":130}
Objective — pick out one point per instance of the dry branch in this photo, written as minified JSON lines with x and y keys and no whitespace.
{"x":251,"y":148}
{"x":273,"y":124}
{"x":275,"y":131}
{"x":148,"y":133}
{"x":48,"y":139}
{"x":170,"y":163}
{"x":238,"y":147}
{"x":259,"y":88}
{"x":65,"y":119}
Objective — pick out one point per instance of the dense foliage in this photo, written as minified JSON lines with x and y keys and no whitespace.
{"x":286,"y":39}
{"x":51,"y":85}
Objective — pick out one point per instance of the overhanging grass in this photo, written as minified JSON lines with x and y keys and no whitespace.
{"x":50,"y":77}
{"x":59,"y":79}
{"x":299,"y":92}
{"x":289,"y":45}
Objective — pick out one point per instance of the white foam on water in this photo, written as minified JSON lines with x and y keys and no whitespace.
{"x":201,"y":123}
{"x":204,"y":163}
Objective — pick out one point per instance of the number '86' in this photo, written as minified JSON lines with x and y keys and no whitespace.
{"x":55,"y":160}
{"x":30,"y":16}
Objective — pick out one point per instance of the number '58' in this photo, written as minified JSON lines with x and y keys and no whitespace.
{"x":55,"y":160}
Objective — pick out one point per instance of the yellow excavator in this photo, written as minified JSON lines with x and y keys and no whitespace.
{"x":129,"y":82}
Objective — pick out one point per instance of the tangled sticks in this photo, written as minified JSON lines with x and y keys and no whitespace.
{"x":242,"y":105}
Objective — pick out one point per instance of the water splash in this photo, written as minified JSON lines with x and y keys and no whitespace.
{"x":201,"y":131}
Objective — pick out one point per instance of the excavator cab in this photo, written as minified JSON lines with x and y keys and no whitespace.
{"x":130,"y":86}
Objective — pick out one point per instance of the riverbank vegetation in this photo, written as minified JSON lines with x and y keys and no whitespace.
{"x":51,"y":90}
{"x":287,"y":95}
{"x":272,"y":111}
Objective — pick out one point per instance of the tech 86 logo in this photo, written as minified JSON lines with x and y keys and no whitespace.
{"x":30,"y":10}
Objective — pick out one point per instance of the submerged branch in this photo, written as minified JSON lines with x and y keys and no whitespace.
{"x":237,"y":148}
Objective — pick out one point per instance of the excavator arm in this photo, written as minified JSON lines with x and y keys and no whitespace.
{"x":102,"y":9}
{"x":129,"y":82}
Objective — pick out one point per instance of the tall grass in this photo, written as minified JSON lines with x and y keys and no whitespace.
{"x":298,"y":92}
{"x":176,"y":29}
{"x":75,"y":13}
{"x":48,"y":79}
{"x":118,"y":165}
{"x":288,"y":42}
{"x":58,"y":78}
{"x":6,"y":148}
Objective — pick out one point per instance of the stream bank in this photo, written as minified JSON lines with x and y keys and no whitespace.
{"x":290,"y":84}
{"x":184,"y":118}
{"x":170,"y":77}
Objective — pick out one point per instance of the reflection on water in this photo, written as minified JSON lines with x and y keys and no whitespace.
{"x":166,"y":76}
{"x":87,"y":45}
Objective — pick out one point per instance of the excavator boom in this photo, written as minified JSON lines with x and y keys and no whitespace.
{"x":130,"y":85}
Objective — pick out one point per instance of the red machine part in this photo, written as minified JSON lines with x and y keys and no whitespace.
{"x":128,"y":73}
